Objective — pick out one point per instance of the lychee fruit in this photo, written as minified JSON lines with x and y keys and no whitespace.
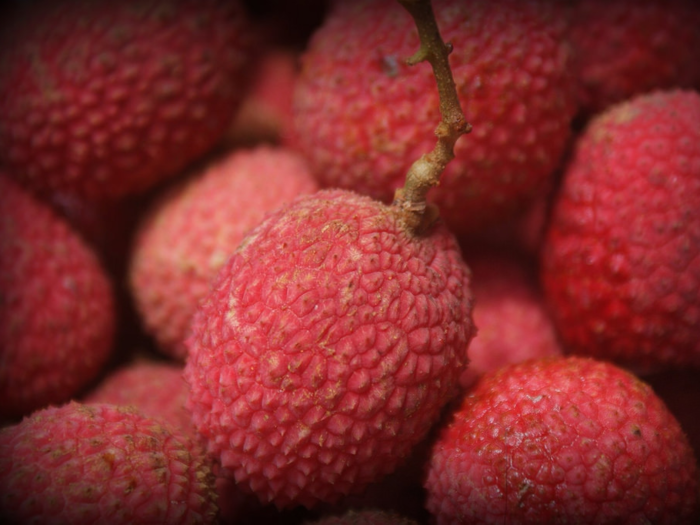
{"x":82,"y":464}
{"x":156,"y":388}
{"x":189,"y":233}
{"x":562,"y":440}
{"x":621,"y":257}
{"x":327,"y":347}
{"x":624,"y":48}
{"x":360,"y":116}
{"x":510,"y":314}
{"x":104,"y":99}
{"x":57,"y":312}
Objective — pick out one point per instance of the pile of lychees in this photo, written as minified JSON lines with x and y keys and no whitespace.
{"x":349,"y":261}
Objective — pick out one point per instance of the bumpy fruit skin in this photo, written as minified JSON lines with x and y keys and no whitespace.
{"x":57,"y":312}
{"x":156,"y":388}
{"x":621,"y":257}
{"x":362,"y":116}
{"x":330,"y":341}
{"x":562,"y":440}
{"x":79,"y":464}
{"x":191,"y":231}
{"x":363,"y":517}
{"x":510,"y":315}
{"x":623,"y":48}
{"x":104,"y":98}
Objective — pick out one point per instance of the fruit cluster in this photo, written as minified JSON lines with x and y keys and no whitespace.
{"x":214,"y":309}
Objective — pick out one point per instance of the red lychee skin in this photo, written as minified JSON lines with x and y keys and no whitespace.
{"x":363,"y":517}
{"x":190,"y":232}
{"x":156,"y":388}
{"x":623,"y":48}
{"x":330,"y":341}
{"x":621,"y":257}
{"x":105,"y":99}
{"x":82,"y":464}
{"x":361,"y":115}
{"x":510,"y":315}
{"x":562,"y":440}
{"x":57,"y":313}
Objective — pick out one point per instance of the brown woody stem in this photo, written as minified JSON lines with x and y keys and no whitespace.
{"x":410,"y":201}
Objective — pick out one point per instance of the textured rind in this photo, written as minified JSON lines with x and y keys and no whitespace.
{"x":510,"y":315}
{"x":79,"y":464}
{"x":621,"y":258}
{"x":625,"y":47}
{"x":327,"y":347}
{"x":362,"y":116}
{"x":562,"y":440}
{"x":57,"y":311}
{"x":108,"y":98}
{"x":157,"y":389}
{"x":192,"y":230}
{"x":363,"y":517}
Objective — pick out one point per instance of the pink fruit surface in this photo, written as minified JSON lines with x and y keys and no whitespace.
{"x":104,"y":99}
{"x":510,"y":315}
{"x":328,"y":345}
{"x":57,"y":312}
{"x":621,"y":258}
{"x":83,"y":464}
{"x":562,"y":440}
{"x":157,"y":389}
{"x":624,"y":48}
{"x":190,"y":232}
{"x":362,"y":116}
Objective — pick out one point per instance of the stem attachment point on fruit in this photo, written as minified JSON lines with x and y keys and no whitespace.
{"x":410,"y":201}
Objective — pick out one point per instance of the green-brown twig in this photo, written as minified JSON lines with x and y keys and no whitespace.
{"x":425,"y":173}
